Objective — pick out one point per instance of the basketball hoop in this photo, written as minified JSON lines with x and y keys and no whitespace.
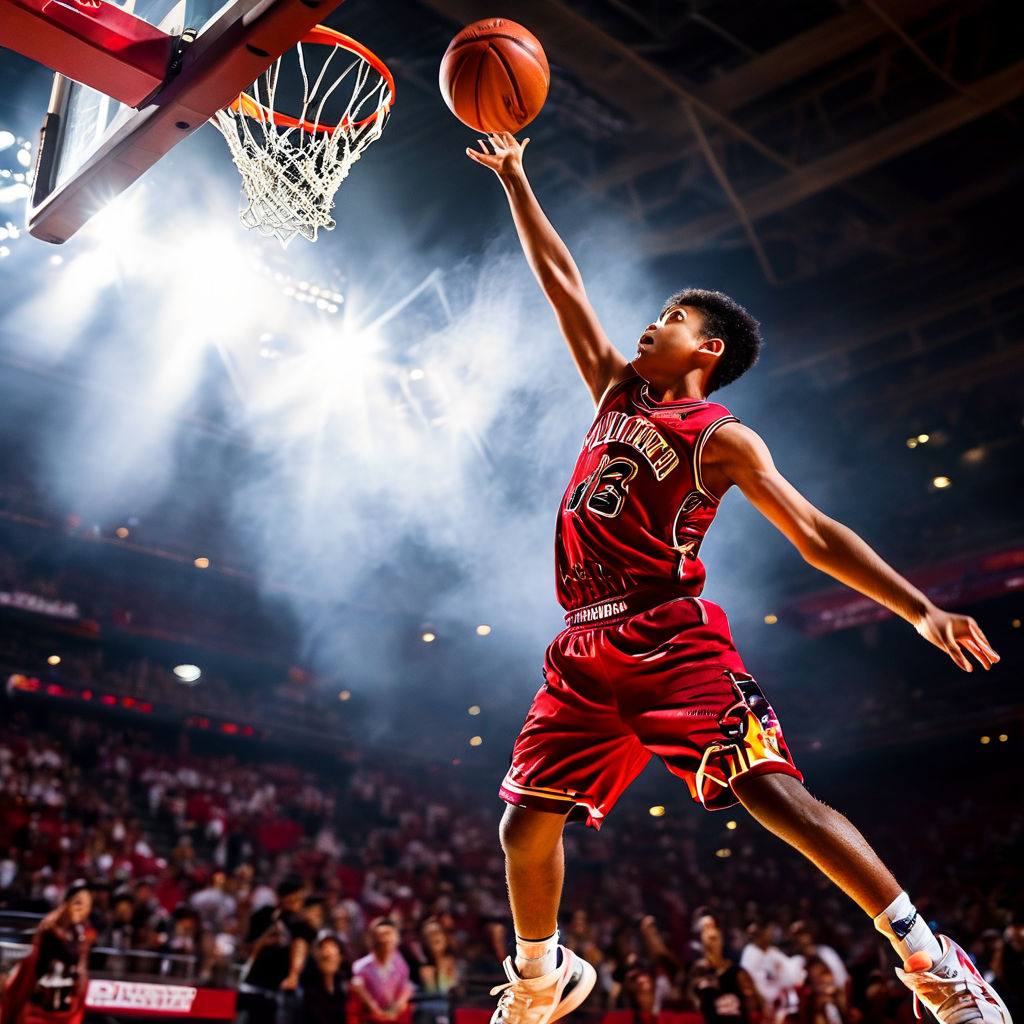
{"x":291,"y":166}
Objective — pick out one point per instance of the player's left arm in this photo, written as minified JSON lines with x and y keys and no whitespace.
{"x":735,"y":454}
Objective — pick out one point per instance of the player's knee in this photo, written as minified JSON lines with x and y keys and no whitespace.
{"x":529,"y":835}
{"x":776,"y":800}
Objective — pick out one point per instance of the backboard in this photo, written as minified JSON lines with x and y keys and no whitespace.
{"x":93,"y":147}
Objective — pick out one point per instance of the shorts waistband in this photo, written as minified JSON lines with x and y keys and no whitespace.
{"x":611,"y":610}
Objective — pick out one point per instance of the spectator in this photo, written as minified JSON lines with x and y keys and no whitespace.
{"x":214,"y":903}
{"x":820,"y":999}
{"x":440,"y":974}
{"x":324,"y":989}
{"x":774,"y":975}
{"x":49,"y":985}
{"x":802,"y":935}
{"x":722,"y":989}
{"x":381,"y":978}
{"x":280,"y":938}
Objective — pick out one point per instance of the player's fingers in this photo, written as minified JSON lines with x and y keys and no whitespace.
{"x":979,"y":655}
{"x":524,"y":144}
{"x":953,"y":650}
{"x":979,"y":637}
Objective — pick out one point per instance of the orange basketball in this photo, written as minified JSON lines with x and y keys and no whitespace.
{"x":494,"y":76}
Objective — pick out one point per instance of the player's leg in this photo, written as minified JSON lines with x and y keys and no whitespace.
{"x":534,"y":868}
{"x":937,"y":970}
{"x":574,"y":755}
{"x":823,"y":835}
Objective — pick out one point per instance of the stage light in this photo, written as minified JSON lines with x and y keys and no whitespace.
{"x":474,"y":709}
{"x":940,"y":483}
{"x":1015,"y":623}
{"x":188,"y":673}
{"x":475,"y":741}
{"x":911,"y":442}
{"x":986,"y":739}
{"x":770,"y":620}
{"x":974,"y":456}
{"x":53,"y":659}
{"x":122,"y":532}
{"x":416,"y":374}
{"x":657,"y":811}
{"x":483,"y":630}
{"x":345,"y":695}
{"x":923,"y":438}
{"x":202,"y":563}
{"x":1003,"y":737}
{"x":723,"y":852}
{"x":428,"y":638}
{"x":57,"y":260}
{"x":731,"y":825}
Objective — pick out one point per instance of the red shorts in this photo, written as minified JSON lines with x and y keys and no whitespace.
{"x":621,"y":685}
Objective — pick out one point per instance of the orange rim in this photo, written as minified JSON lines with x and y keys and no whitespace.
{"x":323,"y":36}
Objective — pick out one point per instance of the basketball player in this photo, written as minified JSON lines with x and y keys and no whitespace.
{"x":646,"y":666}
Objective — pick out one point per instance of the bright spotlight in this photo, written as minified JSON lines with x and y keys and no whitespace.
{"x":428,"y":638}
{"x":483,"y":629}
{"x":53,"y":659}
{"x":770,"y":620}
{"x":657,"y":811}
{"x":940,"y":483}
{"x":202,"y":563}
{"x":188,"y":673}
{"x":474,"y":709}
{"x":475,"y":741}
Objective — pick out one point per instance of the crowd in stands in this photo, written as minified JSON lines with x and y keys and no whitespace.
{"x":210,"y":866}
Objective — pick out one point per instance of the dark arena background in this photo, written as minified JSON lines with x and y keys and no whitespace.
{"x":275,"y":525}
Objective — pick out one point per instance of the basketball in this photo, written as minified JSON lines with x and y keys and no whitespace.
{"x":494,"y":76}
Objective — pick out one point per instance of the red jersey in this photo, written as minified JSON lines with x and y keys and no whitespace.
{"x":636,"y":510}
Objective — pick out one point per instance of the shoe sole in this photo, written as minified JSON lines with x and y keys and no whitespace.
{"x":580,"y":991}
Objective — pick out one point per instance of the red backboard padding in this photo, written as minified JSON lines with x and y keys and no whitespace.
{"x":92,"y":42}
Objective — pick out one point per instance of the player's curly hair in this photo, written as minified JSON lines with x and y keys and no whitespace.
{"x":726,"y":319}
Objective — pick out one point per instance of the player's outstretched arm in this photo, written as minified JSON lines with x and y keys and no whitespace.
{"x":736,"y":455}
{"x":599,"y":362}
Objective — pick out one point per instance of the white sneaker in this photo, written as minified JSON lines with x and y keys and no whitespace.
{"x":952,"y":988}
{"x":547,"y":998}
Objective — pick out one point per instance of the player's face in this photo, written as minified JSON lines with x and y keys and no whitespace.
{"x":669,"y":347}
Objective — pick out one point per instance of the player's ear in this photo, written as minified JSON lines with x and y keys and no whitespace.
{"x":713,"y":346}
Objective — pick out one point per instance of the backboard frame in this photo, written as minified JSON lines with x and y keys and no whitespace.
{"x":231,"y":51}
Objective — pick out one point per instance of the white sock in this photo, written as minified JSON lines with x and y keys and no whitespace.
{"x":908,"y":932}
{"x":536,"y":957}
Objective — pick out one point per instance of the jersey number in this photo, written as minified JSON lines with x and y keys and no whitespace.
{"x":607,"y":487}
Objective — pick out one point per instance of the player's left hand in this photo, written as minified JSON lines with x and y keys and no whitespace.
{"x":955,"y":634}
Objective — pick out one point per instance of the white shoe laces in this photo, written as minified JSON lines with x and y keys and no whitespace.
{"x":515,"y":1001}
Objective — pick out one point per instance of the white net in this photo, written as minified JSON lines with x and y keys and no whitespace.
{"x":291,"y":166}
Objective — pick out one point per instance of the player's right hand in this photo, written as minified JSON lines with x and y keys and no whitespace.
{"x":502,"y":152}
